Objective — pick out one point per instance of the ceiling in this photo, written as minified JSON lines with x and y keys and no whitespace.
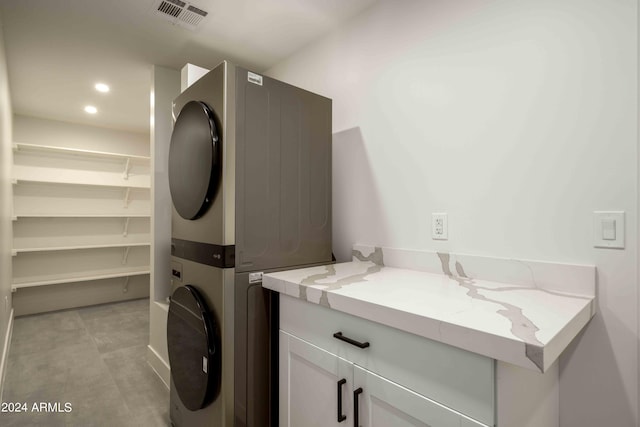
{"x":58,"y":49}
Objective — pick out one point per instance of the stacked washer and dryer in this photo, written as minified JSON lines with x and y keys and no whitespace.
{"x":250,"y":181}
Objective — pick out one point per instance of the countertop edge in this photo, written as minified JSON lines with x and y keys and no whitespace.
{"x":504,"y":349}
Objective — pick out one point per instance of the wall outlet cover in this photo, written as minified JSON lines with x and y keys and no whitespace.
{"x":439,"y":226}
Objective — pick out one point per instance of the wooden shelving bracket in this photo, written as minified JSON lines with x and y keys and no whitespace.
{"x":125,"y":228}
{"x":127,"y":197}
{"x":127,"y":168}
{"x":125,"y":255}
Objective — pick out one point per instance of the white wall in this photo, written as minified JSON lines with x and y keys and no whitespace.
{"x":6,"y":202}
{"x":517,"y":118}
{"x":165,"y":88}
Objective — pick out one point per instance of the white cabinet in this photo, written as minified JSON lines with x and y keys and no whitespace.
{"x":318,"y":388}
{"x":80,"y":216}
{"x":404,"y":380}
{"x":312,"y":382}
{"x":385,"y":403}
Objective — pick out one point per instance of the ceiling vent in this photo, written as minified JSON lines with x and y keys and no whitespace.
{"x":182,"y":13}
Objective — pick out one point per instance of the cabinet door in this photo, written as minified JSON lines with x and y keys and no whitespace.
{"x":383,"y":403}
{"x":309,"y":384}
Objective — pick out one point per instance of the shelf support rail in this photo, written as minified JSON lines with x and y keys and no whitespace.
{"x":127,"y":197}
{"x":125,"y":287}
{"x":125,"y":255}
{"x":127,"y":168}
{"x":125,"y":228}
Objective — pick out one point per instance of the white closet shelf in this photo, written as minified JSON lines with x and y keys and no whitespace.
{"x":15,"y":252}
{"x":19,"y":146}
{"x":32,"y":281}
{"x":60,"y":176}
{"x":17,"y":217}
{"x":70,"y":184}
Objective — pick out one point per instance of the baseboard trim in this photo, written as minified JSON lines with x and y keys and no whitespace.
{"x":159,"y":365}
{"x":5,"y":354}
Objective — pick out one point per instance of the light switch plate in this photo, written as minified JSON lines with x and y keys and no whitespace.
{"x":608,"y":229}
{"x":602,"y":233}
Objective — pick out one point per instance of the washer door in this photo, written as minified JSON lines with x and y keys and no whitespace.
{"x":194,"y":353}
{"x":194,"y":160}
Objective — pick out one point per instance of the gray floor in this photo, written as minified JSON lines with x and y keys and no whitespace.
{"x":93,"y":358}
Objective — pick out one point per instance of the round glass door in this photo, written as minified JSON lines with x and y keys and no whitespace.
{"x":193,"y":343}
{"x":194,"y":160}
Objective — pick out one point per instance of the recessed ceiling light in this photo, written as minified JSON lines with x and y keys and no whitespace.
{"x":101,"y":87}
{"x":90,"y":109}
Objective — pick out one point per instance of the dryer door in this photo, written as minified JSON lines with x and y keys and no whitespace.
{"x":194,"y":160}
{"x":194,"y":352}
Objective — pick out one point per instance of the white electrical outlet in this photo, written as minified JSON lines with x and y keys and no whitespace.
{"x":439,"y":226}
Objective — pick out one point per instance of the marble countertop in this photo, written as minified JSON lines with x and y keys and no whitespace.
{"x":520,"y":321}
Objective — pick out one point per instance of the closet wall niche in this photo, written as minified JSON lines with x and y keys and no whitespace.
{"x":81,"y":221}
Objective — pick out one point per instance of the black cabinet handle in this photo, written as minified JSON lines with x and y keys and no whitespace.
{"x":341,"y":417}
{"x":356,"y":415}
{"x":351,"y":341}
